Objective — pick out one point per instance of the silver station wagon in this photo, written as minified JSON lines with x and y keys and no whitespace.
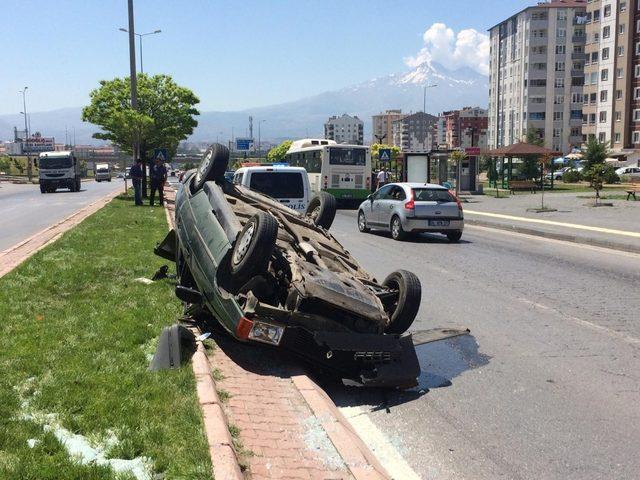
{"x":406,"y":208}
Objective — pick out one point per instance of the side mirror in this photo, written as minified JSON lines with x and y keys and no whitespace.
{"x":370,"y":197}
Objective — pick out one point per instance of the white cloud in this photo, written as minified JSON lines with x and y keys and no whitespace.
{"x":469,"y":48}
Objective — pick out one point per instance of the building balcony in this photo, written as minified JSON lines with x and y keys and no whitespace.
{"x":578,"y":56}
{"x":580,"y":39}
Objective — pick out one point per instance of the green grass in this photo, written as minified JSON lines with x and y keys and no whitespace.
{"x":74,"y":321}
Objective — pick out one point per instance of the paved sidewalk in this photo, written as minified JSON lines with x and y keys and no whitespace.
{"x":575,"y":220}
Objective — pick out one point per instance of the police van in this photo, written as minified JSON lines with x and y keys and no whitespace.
{"x":288,"y":185}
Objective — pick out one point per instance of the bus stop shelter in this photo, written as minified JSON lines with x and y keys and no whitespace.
{"x":516,"y":150}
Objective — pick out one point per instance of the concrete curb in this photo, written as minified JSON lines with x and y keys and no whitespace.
{"x":15,"y":255}
{"x":624,"y":247}
{"x":360,"y":461}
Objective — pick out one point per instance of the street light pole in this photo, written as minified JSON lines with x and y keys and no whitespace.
{"x":259,"y":139}
{"x":424,"y":97}
{"x":26,"y":131}
{"x":140,"y":35}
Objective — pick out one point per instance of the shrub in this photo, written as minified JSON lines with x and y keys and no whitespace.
{"x":625,"y":178}
{"x":571,"y":176}
{"x":609,"y":175}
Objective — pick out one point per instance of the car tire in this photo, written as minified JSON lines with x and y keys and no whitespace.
{"x":362,"y":223}
{"x":397,"y":232}
{"x":403,"y":311}
{"x":213,"y":166}
{"x":322,"y":210}
{"x":454,"y":237}
{"x":253,"y":248}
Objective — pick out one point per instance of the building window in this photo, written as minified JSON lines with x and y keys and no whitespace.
{"x":559,"y":66}
{"x":559,"y":82}
{"x":621,"y":29}
{"x":618,"y":94}
{"x":636,"y":115}
{"x":561,"y":32}
{"x":596,"y":16}
{"x":606,"y":32}
{"x":562,"y":14}
{"x":636,"y":135}
{"x":557,"y":116}
{"x":596,"y":38}
{"x":557,"y":132}
{"x":636,"y":93}
{"x":618,"y":116}
{"x":617,"y":137}
{"x":594,"y":78}
{"x":638,"y":23}
{"x":621,"y":50}
{"x":576,"y":98}
{"x":605,"y":53}
{"x":592,"y":97}
{"x":637,"y":71}
{"x":637,"y":48}
{"x":585,"y":118}
{"x":558,"y":100}
{"x":560,"y":49}
{"x":619,"y":72}
{"x":603,"y":95}
{"x":592,"y":118}
{"x":603,"y":117}
{"x":607,"y":10}
{"x":604,"y":74}
{"x":602,"y":137}
{"x":594,"y":57}
{"x":623,"y":6}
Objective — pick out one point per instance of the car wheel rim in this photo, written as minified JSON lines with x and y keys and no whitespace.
{"x":361,"y":222}
{"x":395,"y":228}
{"x":315,"y":213}
{"x":243,"y":245}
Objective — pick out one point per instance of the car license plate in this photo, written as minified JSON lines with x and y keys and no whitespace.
{"x":438,"y":223}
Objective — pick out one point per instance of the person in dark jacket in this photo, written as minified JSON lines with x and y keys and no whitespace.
{"x":136,"y":178}
{"x":158,"y":177}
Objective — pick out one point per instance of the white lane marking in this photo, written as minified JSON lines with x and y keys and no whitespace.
{"x":585,"y":323}
{"x":552,"y":222}
{"x":384,"y":451}
{"x":566,"y":243}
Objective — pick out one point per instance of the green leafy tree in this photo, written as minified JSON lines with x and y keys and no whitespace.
{"x":5,"y":164}
{"x":164,"y":117}
{"x":276,"y":154}
{"x":596,"y":152}
{"x":530,"y":166}
{"x":393,"y":165}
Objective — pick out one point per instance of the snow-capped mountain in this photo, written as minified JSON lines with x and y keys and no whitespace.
{"x":306,"y":117}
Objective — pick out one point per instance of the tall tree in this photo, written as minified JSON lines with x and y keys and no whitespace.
{"x":165,"y":113}
{"x":530,"y":167}
{"x":276,"y":154}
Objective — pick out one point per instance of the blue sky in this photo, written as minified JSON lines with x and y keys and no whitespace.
{"x":234,"y":55}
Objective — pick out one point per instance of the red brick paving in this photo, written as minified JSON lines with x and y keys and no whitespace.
{"x":275,"y":422}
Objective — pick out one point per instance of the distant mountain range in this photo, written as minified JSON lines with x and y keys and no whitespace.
{"x":304,"y":117}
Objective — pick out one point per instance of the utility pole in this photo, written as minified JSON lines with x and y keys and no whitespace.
{"x":140,"y":35}
{"x":134,"y":93}
{"x":259,"y":139}
{"x":26,"y":132}
{"x":424,"y":96}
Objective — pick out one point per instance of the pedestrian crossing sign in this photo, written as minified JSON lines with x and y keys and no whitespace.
{"x":161,"y":154}
{"x":384,"y":154}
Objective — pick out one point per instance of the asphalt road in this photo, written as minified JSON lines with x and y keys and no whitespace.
{"x":547,"y":386}
{"x":24,"y":211}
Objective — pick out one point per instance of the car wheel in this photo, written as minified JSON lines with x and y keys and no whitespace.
{"x":253,"y":248}
{"x":362,"y":223}
{"x":214,"y":164}
{"x":402,"y":312}
{"x":454,"y":237}
{"x":322,"y":210}
{"x":397,"y":232}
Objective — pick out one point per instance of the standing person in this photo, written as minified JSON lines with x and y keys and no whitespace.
{"x":383,"y":177}
{"x":136,"y":178}
{"x":158,"y":176}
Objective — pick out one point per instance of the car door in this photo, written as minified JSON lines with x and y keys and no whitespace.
{"x":390,"y":203}
{"x":377,"y":204}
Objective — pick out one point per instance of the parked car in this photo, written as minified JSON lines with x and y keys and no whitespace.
{"x":632,"y":171}
{"x":406,"y":208}
{"x":289,"y":185}
{"x":269,"y":274}
{"x":557,"y":174}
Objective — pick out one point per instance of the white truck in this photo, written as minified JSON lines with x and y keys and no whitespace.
{"x":288,"y":185}
{"x":59,"y":170}
{"x":102,"y":171}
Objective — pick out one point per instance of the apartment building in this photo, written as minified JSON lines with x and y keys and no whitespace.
{"x":537,"y":74}
{"x":345,"y":129}
{"x":466,"y":128}
{"x":382,"y":126}
{"x":611,"y":97}
{"x":413,"y":132}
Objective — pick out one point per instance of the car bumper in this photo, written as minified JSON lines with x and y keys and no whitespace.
{"x":422,"y":225}
{"x":368,"y":359}
{"x":57,"y":182}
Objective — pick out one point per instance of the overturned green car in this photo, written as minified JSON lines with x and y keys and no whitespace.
{"x":269,"y":274}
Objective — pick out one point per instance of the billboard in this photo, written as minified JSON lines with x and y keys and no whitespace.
{"x":39,"y":144}
{"x":244,"y":144}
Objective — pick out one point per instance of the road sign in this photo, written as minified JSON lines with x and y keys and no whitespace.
{"x":384,"y":154}
{"x":161,"y":154}
{"x":243,"y":144}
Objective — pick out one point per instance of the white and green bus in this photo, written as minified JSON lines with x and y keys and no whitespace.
{"x":342,"y":170}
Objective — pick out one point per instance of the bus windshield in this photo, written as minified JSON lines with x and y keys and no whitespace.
{"x":278,"y":184}
{"x":53,"y":162}
{"x":347,"y":156}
